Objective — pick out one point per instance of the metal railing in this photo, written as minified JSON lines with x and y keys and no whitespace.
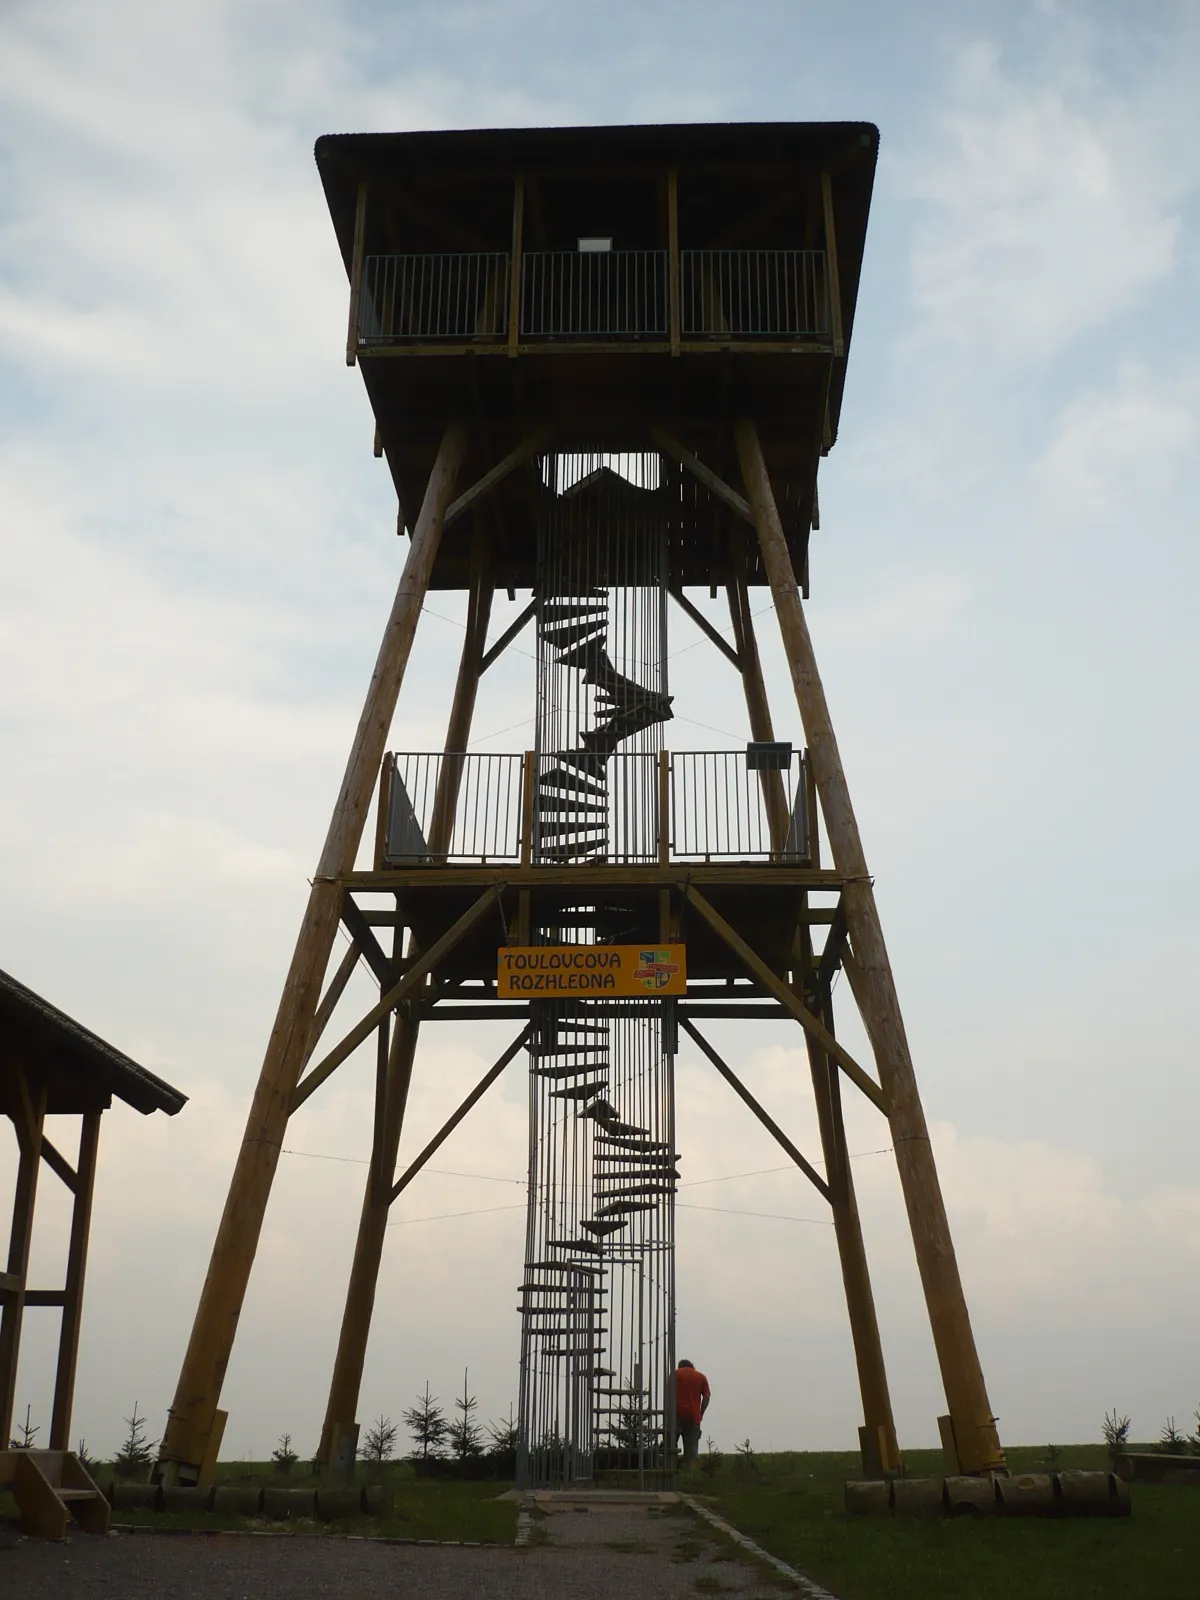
{"x":453,"y":808}
{"x":583,"y":294}
{"x":721,"y":807}
{"x":580,"y":294}
{"x":742,"y":294}
{"x":430,"y":297}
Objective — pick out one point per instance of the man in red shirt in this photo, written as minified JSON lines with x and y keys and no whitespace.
{"x":692,"y":1395}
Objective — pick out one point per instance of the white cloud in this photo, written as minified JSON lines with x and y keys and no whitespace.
{"x":1048,"y":208}
{"x":1121,"y":444}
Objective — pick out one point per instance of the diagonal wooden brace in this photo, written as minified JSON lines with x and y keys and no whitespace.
{"x":705,"y":475}
{"x":529,"y":446}
{"x":420,"y":969}
{"x":452,"y":1122}
{"x":768,"y":1122}
{"x":811,"y":1025}
{"x":706,"y":627}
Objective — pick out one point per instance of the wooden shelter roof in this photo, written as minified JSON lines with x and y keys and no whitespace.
{"x":80,"y":1071}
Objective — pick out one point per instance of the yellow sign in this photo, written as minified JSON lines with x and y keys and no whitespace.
{"x":577,"y":971}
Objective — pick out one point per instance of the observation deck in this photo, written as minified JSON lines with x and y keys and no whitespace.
{"x":734,"y":826}
{"x":627,"y":279}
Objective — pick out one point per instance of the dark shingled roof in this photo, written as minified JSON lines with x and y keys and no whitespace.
{"x":80,"y":1071}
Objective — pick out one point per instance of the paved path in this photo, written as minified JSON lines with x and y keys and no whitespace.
{"x":606,"y":1551}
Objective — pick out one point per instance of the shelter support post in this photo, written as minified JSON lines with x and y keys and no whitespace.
{"x":954,"y":1341}
{"x":393,"y":1084}
{"x":72,"y":1314}
{"x":190,"y":1420}
{"x":12,"y":1302}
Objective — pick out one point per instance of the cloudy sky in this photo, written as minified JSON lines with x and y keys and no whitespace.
{"x":198,"y":552}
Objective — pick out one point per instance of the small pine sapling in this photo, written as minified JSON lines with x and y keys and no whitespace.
{"x":464,"y":1434}
{"x":748,"y":1462}
{"x":1170,"y":1441}
{"x":1053,"y":1456}
{"x":712,"y":1458}
{"x":502,"y":1436}
{"x":380,"y":1441}
{"x":135,"y":1456}
{"x":1116,"y":1433}
{"x":635,"y":1427}
{"x":28,"y":1431}
{"x":427,"y":1423}
{"x":285,"y":1458}
{"x":89,"y":1463}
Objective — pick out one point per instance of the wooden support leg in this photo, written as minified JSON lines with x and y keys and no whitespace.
{"x":860,"y":1302}
{"x":351,"y":1355}
{"x":72,"y":1316}
{"x":479,"y":610}
{"x":389,"y":1108}
{"x":954,"y":1341}
{"x":755,"y":689}
{"x":190,"y":1419}
{"x":29,"y":1136}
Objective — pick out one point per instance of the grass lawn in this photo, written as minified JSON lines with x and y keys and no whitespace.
{"x":425,"y":1508}
{"x":792,"y":1505}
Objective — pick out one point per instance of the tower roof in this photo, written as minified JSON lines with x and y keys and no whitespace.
{"x":602,"y":280}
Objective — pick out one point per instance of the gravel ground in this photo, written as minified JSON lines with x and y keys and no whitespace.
{"x":578,"y":1555}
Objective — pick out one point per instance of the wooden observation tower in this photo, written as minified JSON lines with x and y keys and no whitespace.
{"x":605,"y":364}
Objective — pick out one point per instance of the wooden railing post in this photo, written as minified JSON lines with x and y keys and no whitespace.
{"x":832,"y":284}
{"x":356,"y":273}
{"x":664,"y":808}
{"x":528,"y":800}
{"x":515,"y":268}
{"x":673,"y":280}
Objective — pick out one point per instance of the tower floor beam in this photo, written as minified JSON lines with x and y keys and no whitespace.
{"x":190,"y":1419}
{"x":974,"y":1425}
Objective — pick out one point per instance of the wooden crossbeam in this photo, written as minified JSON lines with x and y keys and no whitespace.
{"x":45,"y":1297}
{"x":10,"y":1282}
{"x":768,"y":1122}
{"x":453,"y":1121}
{"x":835,"y":946}
{"x":705,"y":475}
{"x":337,"y":987}
{"x":416,"y":974}
{"x":494,"y":475}
{"x":507,"y":637}
{"x":372,"y":951}
{"x":58,"y":1164}
{"x":811,"y":1025}
{"x":706,"y":627}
